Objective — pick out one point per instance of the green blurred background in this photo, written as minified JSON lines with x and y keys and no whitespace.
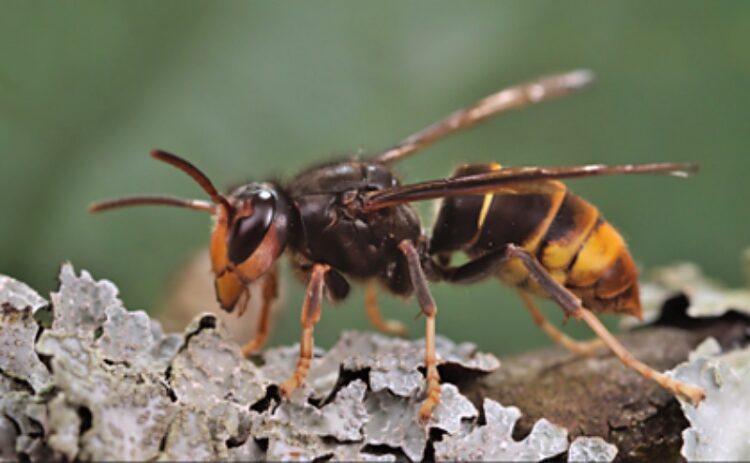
{"x":248,"y":90}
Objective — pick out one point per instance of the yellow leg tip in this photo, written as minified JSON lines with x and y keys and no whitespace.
{"x":252,"y":347}
{"x":429,"y":404}
{"x":694,"y":395}
{"x":288,"y":387}
{"x":425,"y":411}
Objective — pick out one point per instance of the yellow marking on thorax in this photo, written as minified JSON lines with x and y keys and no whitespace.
{"x":486,"y":203}
{"x":483,"y":212}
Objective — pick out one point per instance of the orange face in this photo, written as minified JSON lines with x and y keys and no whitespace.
{"x":244,"y":244}
{"x":250,"y":232}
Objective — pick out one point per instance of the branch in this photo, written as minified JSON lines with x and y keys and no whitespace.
{"x":599,"y":396}
{"x":97,"y":382}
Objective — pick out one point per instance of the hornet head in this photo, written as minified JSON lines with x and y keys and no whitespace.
{"x":250,"y":230}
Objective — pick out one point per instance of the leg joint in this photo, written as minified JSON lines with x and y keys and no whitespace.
{"x":566,"y":299}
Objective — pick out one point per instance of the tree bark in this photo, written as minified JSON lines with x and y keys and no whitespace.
{"x":599,"y":396}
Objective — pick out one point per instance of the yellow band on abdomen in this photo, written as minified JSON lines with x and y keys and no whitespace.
{"x":598,"y":253}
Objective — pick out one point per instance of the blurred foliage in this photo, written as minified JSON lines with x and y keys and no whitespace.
{"x":248,"y":90}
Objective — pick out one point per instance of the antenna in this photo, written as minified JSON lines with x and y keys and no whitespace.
{"x":150,"y":200}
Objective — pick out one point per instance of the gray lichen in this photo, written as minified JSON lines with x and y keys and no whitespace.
{"x":18,"y":330}
{"x":64,"y":426}
{"x":719,"y":427}
{"x":14,"y":293}
{"x":210,"y":369}
{"x":297,"y":430}
{"x":494,"y":442}
{"x":105,"y":383}
{"x":133,"y":337}
{"x":706,"y":297}
{"x":591,"y":449}
{"x":393,"y":420}
{"x":80,"y":304}
{"x":393,"y":364}
{"x":129,"y":411}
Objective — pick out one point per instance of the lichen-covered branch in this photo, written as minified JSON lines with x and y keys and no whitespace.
{"x":599,"y":396}
{"x":101,"y":383}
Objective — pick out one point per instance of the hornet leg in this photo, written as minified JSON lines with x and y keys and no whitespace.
{"x":573,"y":307}
{"x":487,"y":265}
{"x":270,"y":293}
{"x":310,"y":316}
{"x":427,"y":304}
{"x":587,"y":348}
{"x":392,"y":327}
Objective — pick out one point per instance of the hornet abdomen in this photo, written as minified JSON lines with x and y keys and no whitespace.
{"x":569,"y":237}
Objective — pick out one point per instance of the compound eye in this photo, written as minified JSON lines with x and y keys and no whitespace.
{"x":248,"y":232}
